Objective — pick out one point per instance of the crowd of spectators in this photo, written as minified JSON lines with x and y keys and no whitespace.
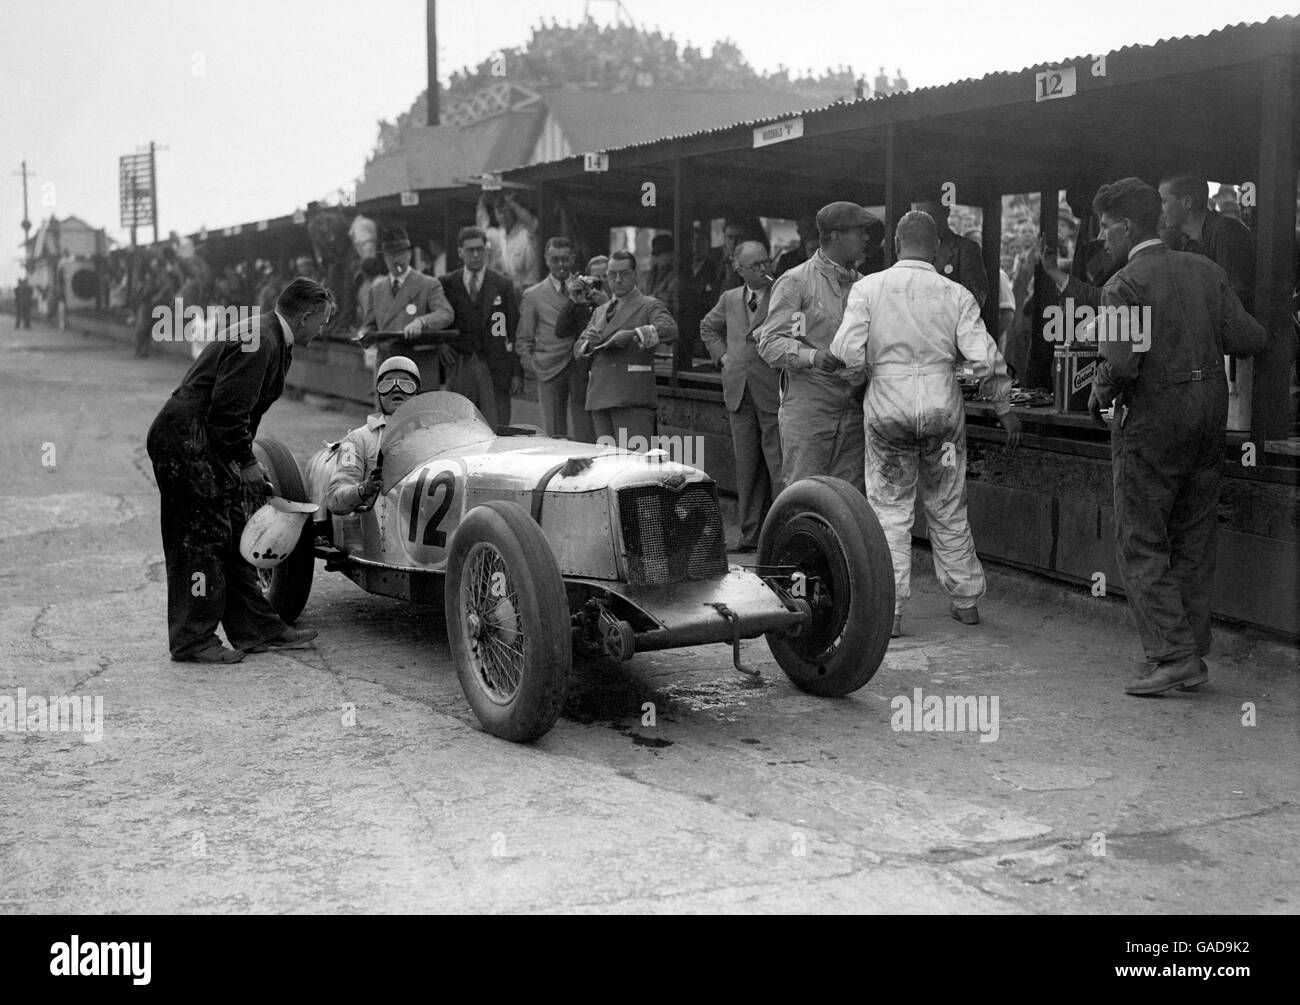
{"x":626,"y":57}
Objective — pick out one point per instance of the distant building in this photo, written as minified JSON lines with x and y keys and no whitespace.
{"x":507,"y":125}
{"x":63,"y":254}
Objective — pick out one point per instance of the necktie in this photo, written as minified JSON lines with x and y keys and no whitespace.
{"x":397,"y":285}
{"x":753,"y":302}
{"x":609,"y":311}
{"x":473,"y":285}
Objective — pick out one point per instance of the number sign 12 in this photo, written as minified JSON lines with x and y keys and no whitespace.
{"x":1058,"y":83}
{"x":432,"y":537}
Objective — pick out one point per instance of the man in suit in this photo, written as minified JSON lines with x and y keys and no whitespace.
{"x":487,"y":308}
{"x":958,"y":258}
{"x":544,"y":354}
{"x":403,"y":300}
{"x":1171,"y":406}
{"x":749,"y":389}
{"x":201,"y":446}
{"x":585,"y":295}
{"x":660,"y":280}
{"x":620,"y":341}
{"x":800,"y":253}
{"x":698,"y":296}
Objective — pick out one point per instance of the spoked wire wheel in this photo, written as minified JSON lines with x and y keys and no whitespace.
{"x":490,"y":608}
{"x":508,"y":621}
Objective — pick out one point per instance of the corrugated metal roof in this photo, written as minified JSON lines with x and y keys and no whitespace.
{"x":911,"y":95}
{"x":624,"y":118}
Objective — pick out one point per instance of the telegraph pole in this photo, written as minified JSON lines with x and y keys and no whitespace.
{"x":153,"y":188}
{"x":431,"y":22}
{"x":27,"y":224}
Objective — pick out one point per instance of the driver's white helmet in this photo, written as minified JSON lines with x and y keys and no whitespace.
{"x":273,"y":532}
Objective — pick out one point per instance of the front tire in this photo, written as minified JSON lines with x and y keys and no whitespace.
{"x":827,"y":531}
{"x":508,"y":621}
{"x":288,"y":585}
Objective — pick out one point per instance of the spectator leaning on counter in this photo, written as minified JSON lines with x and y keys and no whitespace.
{"x":486,"y":307}
{"x":201,"y":446}
{"x":545,"y":355}
{"x":908,"y":328}
{"x":620,"y":341}
{"x":1222,"y":239}
{"x":1167,"y":436}
{"x":403,"y":300}
{"x":820,"y":414}
{"x":749,"y":389}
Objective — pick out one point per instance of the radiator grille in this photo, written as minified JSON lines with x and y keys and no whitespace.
{"x":672,"y":536}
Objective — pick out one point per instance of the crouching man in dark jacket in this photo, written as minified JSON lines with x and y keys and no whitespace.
{"x":201,"y":446}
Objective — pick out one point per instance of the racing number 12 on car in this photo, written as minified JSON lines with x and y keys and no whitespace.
{"x":433,"y":536}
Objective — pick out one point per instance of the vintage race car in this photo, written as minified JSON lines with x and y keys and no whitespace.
{"x":536,"y":546}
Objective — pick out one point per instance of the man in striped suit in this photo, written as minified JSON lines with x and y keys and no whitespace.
{"x":545,"y":355}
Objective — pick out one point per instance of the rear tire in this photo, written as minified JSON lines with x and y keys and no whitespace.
{"x":825,"y":528}
{"x":288,"y":585}
{"x":508,"y":621}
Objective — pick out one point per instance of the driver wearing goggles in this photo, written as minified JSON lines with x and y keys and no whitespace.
{"x":357,"y":478}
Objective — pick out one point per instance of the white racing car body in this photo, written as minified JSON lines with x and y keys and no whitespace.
{"x":535,"y":545}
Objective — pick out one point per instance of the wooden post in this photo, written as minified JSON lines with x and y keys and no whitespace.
{"x":684,"y":245}
{"x":250,"y":263}
{"x":1040,"y":358}
{"x":894,"y":190}
{"x":1275,"y":263}
{"x":432,"y":112}
{"x":448,"y":234}
{"x":991,"y":237}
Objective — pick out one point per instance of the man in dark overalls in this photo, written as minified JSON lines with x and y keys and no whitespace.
{"x":1174,"y":316}
{"x":201,"y":445}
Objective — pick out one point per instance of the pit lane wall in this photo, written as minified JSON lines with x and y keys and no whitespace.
{"x":1052,"y":513}
{"x":1040,"y":510}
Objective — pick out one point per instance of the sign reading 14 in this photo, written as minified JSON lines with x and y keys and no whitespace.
{"x":424,"y":527}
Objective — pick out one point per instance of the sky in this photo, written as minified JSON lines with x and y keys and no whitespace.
{"x":261,"y":106}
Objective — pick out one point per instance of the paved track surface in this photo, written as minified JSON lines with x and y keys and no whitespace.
{"x":353,"y":777}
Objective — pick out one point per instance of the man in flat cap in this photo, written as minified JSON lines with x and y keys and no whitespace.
{"x":820,"y":414}
{"x":404,"y":300}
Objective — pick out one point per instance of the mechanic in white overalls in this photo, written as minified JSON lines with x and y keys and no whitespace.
{"x":908,"y":327}
{"x":356,"y":479}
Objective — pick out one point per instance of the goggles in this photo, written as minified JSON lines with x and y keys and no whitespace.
{"x":406,"y":385}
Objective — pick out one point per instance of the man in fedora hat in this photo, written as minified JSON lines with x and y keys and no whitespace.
{"x":404,"y":300}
